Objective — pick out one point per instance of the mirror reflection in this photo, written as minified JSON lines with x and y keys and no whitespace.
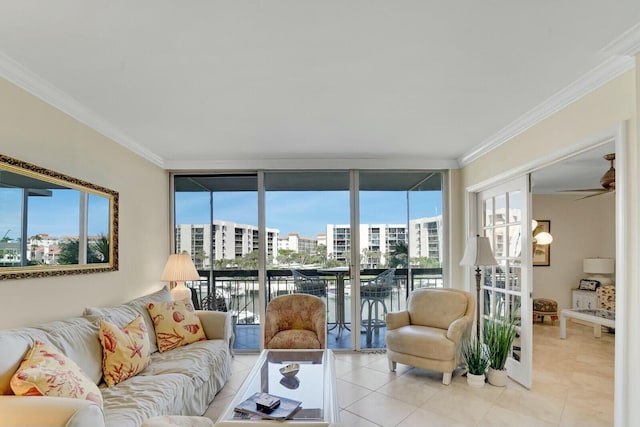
{"x":54,"y":224}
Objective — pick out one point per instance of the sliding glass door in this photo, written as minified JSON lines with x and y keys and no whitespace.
{"x":310,"y":211}
{"x":251,"y":235}
{"x":400,"y":244}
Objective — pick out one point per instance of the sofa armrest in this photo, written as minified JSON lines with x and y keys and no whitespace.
{"x":31,"y":411}
{"x":216,"y":324}
{"x":397,"y":319}
{"x":457,"y":328}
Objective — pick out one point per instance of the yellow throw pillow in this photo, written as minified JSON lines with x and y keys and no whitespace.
{"x":45,"y":371}
{"x":125,"y":350}
{"x":176,"y":323}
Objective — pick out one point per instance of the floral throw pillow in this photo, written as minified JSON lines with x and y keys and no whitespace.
{"x":125,"y":350}
{"x":45,"y":371}
{"x":176,"y":324}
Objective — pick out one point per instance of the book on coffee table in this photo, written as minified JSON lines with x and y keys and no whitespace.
{"x":263,"y":405}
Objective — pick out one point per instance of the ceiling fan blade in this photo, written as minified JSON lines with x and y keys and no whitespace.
{"x":600,"y":193}
{"x":590,"y":190}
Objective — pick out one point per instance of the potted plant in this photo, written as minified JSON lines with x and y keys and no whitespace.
{"x":498,"y":337}
{"x":475,"y":357}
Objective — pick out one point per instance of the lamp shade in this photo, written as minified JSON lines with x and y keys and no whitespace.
{"x":598,"y":265}
{"x":478,"y":252}
{"x":179,"y":268}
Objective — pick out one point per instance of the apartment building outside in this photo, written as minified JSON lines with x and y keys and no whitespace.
{"x":377,"y":241}
{"x":230,"y":241}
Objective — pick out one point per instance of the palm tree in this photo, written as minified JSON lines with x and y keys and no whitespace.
{"x":399,"y":255}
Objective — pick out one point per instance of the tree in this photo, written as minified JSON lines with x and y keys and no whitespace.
{"x":69,"y":252}
{"x":399,"y":255}
{"x":98,"y":250}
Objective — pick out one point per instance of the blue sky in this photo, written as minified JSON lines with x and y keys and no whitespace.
{"x":306,"y":212}
{"x":56,"y":215}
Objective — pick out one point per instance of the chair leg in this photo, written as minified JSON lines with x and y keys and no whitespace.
{"x":392,"y":365}
{"x":446,"y":378}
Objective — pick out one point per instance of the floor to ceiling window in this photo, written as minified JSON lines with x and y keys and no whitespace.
{"x":400,"y":243}
{"x":309,"y":230}
{"x":216,"y":222}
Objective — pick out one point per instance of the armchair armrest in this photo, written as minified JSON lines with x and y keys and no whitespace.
{"x":397,"y":319}
{"x":457,"y":328}
{"x":31,"y":411}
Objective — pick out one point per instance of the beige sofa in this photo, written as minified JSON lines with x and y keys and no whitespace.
{"x":428,"y":333}
{"x":182,"y":381}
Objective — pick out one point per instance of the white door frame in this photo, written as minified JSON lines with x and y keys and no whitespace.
{"x":626,"y":341}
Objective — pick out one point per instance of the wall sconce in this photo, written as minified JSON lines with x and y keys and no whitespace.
{"x":541,"y":237}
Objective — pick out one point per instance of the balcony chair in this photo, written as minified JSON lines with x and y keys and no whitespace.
{"x":373,"y":294}
{"x":296,"y":321}
{"x":428,"y":333}
{"x":311,"y":285}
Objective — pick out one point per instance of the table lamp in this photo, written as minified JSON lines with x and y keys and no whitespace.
{"x":478,"y":253}
{"x":179,"y":268}
{"x":599,"y":269}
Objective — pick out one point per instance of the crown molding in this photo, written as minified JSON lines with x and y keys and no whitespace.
{"x":24,"y":78}
{"x":600,"y":75}
{"x":306,"y":163}
{"x":627,"y":44}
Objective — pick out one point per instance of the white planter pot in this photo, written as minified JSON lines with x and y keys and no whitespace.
{"x":475,"y":380}
{"x":497,"y":377}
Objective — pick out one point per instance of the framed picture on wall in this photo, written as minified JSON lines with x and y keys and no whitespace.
{"x":541,"y":253}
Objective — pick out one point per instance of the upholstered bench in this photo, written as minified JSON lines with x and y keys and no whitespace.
{"x":545,"y":307}
{"x":178,"y":420}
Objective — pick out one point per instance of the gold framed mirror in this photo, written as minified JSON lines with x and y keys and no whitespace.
{"x":53,"y":224}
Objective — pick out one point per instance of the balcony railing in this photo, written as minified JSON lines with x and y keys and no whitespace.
{"x":237,"y":291}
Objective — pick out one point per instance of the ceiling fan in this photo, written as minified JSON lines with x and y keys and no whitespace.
{"x":607,"y":181}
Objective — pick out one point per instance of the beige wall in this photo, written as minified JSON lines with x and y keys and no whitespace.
{"x":580,"y":229}
{"x":33,"y":131}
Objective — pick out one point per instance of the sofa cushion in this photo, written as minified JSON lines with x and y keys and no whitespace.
{"x":45,"y":371}
{"x":14,"y":345}
{"x":122,"y":314}
{"x":126,"y":350}
{"x":421,"y":341}
{"x":77,"y":338}
{"x":436,"y":307}
{"x":140,"y":397}
{"x":176,"y":324}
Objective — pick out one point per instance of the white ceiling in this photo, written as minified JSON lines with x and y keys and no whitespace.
{"x":205,"y":84}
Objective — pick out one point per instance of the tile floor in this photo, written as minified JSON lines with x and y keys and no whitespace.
{"x":572,"y":386}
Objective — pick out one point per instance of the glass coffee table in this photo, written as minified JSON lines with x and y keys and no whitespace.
{"x":314,"y":385}
{"x":597,"y":317}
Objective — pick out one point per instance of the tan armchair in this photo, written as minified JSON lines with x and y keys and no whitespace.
{"x":428,"y":333}
{"x":296,"y":321}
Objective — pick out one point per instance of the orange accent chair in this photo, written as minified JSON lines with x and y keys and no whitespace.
{"x":296,"y":321}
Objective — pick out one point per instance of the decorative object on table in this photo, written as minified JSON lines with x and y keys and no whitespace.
{"x":256,"y":405}
{"x":179,"y":268}
{"x":291,"y":370}
{"x":588,"y":285}
{"x":474,"y":355}
{"x":498,"y":338}
{"x":600,"y":269}
{"x":478,"y":254}
{"x":541,"y":241}
{"x":545,"y":307}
